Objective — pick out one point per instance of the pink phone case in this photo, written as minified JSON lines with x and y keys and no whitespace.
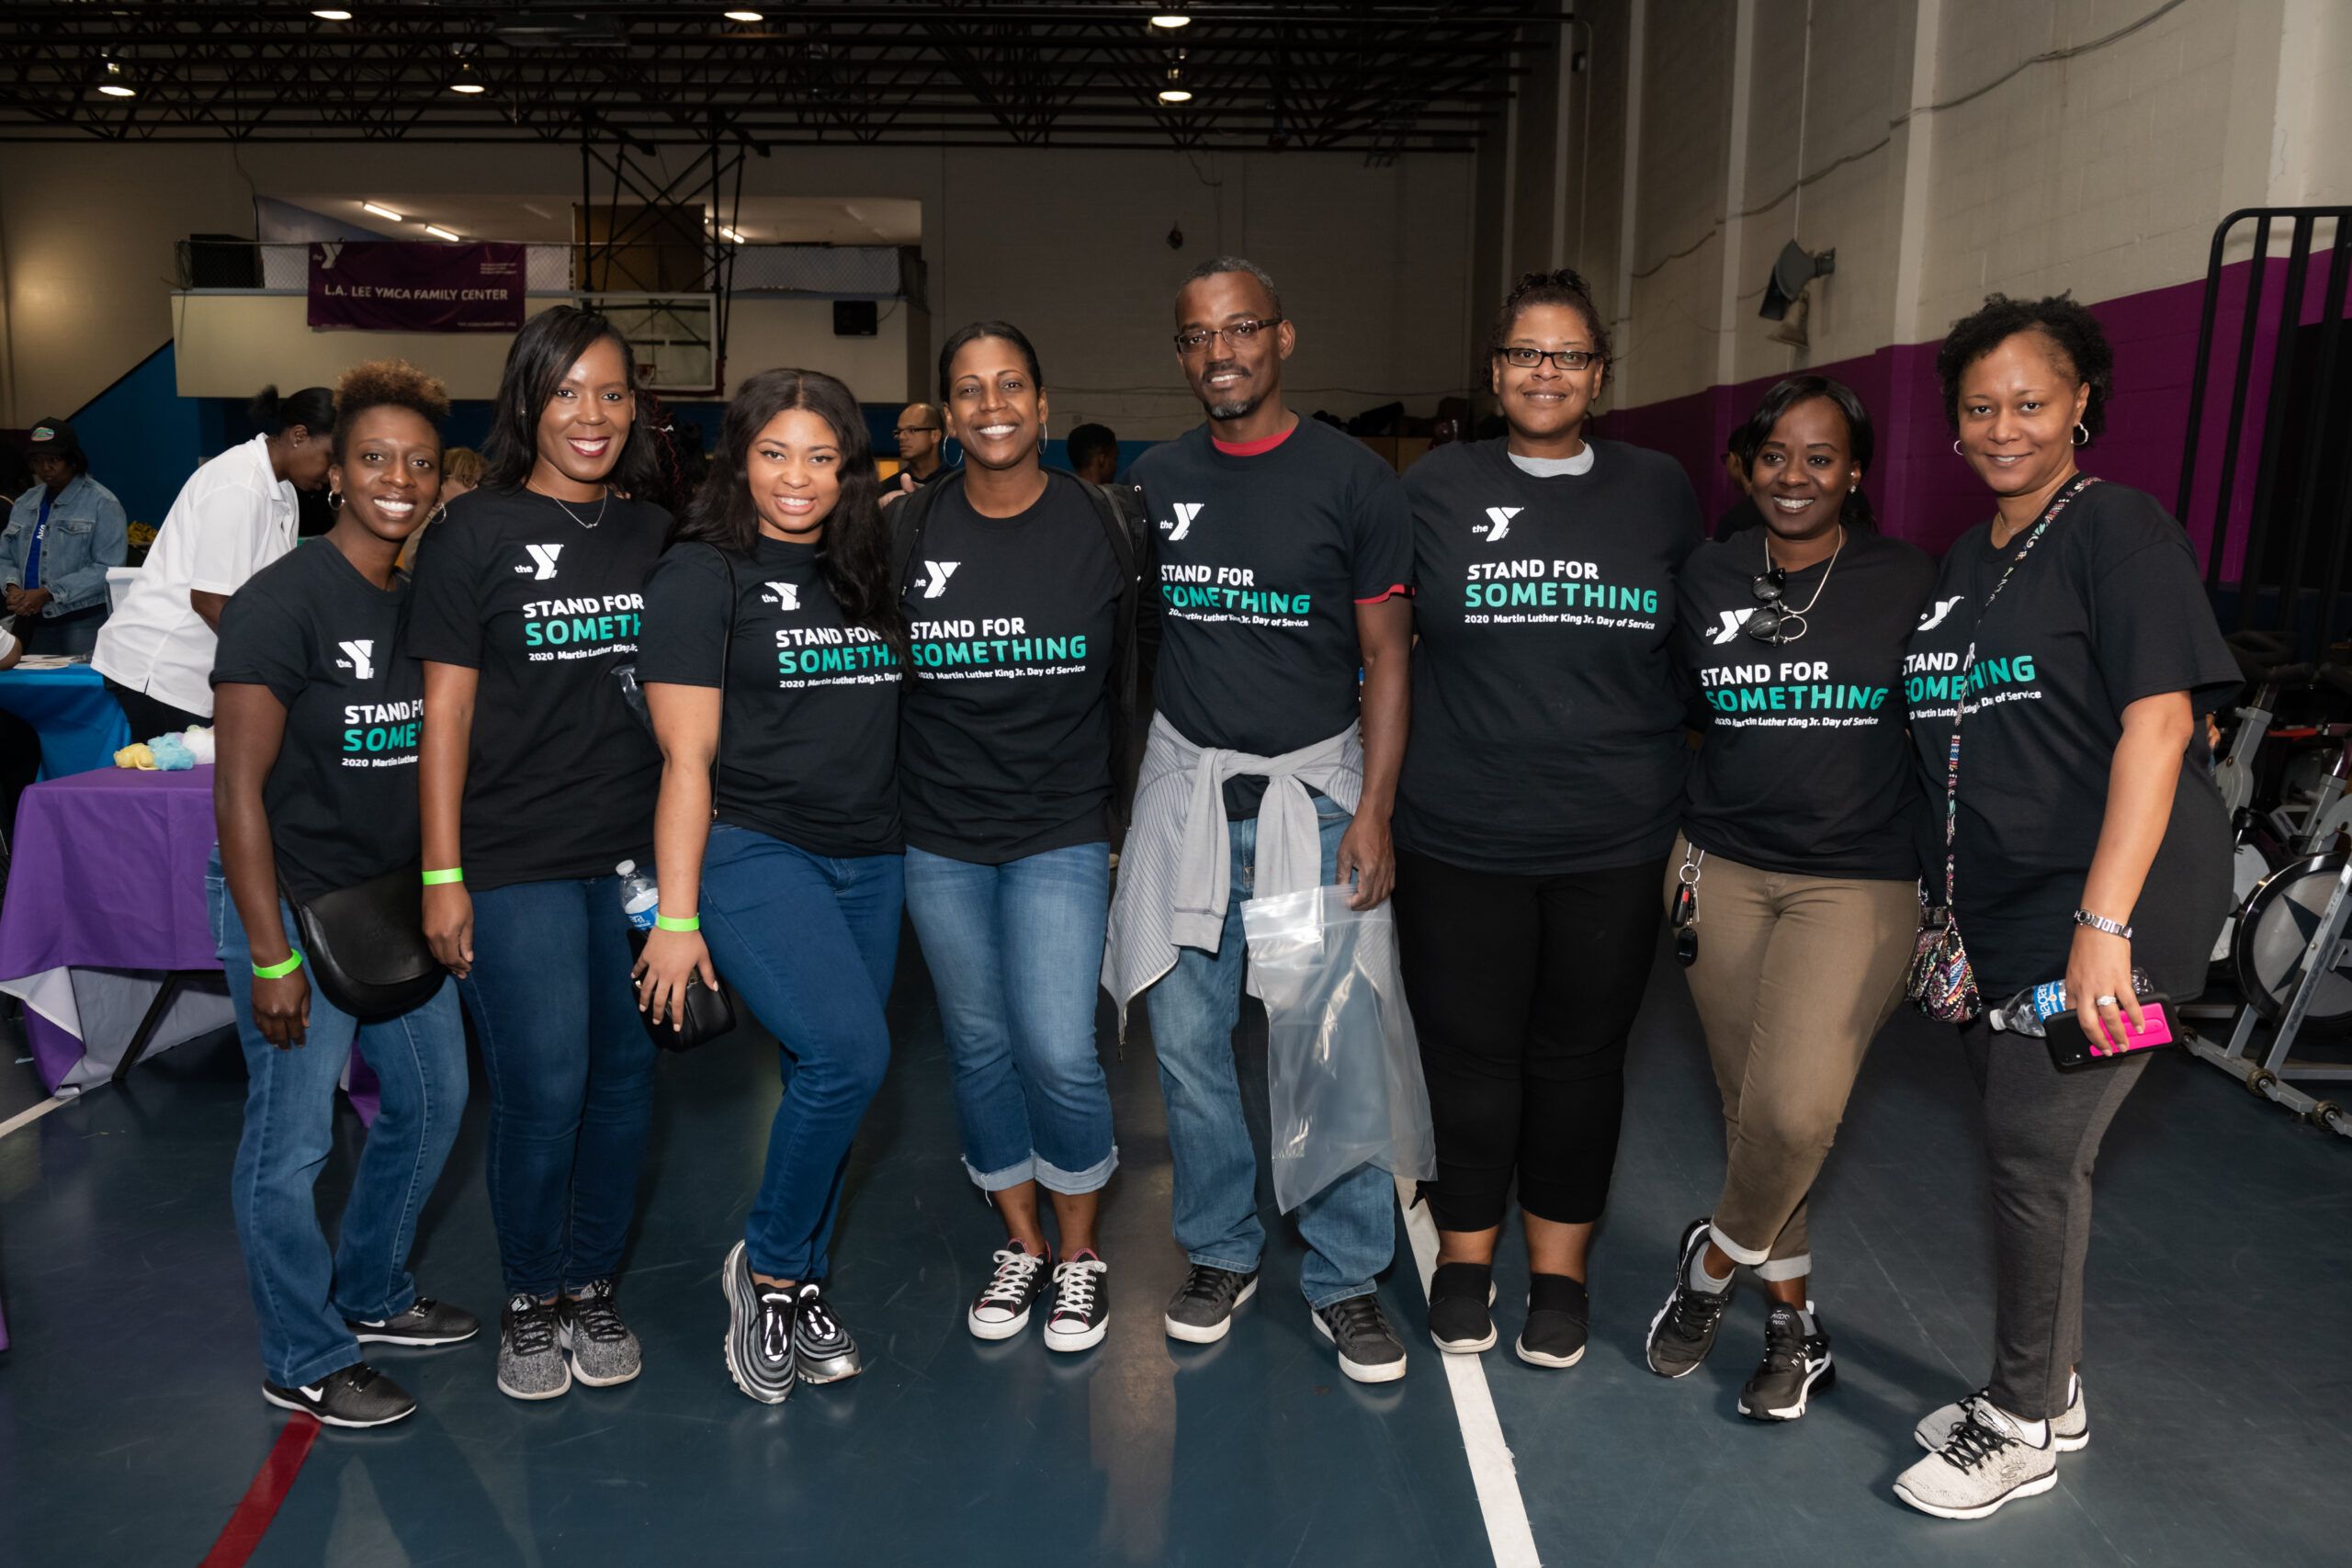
{"x":2158,"y":1032}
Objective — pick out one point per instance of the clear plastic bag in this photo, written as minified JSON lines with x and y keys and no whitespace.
{"x":1343,"y":1068}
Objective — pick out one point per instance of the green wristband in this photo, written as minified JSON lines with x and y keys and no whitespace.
{"x":691,"y":923}
{"x":435,"y":878}
{"x":279,"y":971}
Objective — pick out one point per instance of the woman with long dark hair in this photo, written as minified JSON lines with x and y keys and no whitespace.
{"x":538,"y":781}
{"x":774,"y":648}
{"x":1792,"y":890}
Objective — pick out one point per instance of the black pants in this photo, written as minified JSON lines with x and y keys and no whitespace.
{"x":149,"y":717}
{"x":1523,"y":991}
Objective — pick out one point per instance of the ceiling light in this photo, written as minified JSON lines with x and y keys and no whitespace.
{"x":436,"y":228}
{"x":330,"y":14}
{"x":381,"y":211}
{"x":1173,"y":90}
{"x":1171,"y":20}
{"x":114,"y":85}
{"x":729,"y":236}
{"x":465,"y":81}
{"x":746,"y":15}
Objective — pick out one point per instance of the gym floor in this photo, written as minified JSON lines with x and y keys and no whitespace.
{"x":131,"y":1424}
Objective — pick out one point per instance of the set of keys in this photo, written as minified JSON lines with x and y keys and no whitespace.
{"x":1684,"y":919}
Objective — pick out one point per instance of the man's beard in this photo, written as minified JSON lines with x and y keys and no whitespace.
{"x":1241,"y":410}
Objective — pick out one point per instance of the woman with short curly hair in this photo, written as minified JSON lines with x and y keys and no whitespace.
{"x":2070,"y":647}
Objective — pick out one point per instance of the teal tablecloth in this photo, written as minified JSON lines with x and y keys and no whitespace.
{"x":80,"y":724}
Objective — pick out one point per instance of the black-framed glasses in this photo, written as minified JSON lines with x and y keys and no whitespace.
{"x":906,"y":430}
{"x":1194,"y":339}
{"x":1772,"y":619}
{"x":1561,"y":358}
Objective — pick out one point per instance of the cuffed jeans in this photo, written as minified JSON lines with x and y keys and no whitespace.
{"x":1015,"y":953}
{"x":571,"y":1078}
{"x":1350,"y":1227}
{"x":809,"y":943}
{"x":302,"y":1296}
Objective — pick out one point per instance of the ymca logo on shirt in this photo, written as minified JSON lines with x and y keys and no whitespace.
{"x":1182,"y":524}
{"x":1933,"y":616}
{"x":935,"y":576}
{"x":782,"y":595}
{"x":541,"y":566}
{"x":1730,"y":626}
{"x":361,"y":658}
{"x":1497,"y":522}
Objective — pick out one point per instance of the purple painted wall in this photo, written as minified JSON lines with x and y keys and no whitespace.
{"x":1925,"y":494}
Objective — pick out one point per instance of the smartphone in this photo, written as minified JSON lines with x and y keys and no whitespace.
{"x":2070,"y":1047}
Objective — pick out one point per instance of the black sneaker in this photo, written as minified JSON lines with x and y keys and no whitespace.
{"x":358,"y":1395}
{"x":1001,"y":1309}
{"x":1796,"y":1365}
{"x":759,"y":1357}
{"x":1369,"y":1349}
{"x":530,"y":1355}
{"x":824,"y":1348}
{"x":427,"y":1322}
{"x":1082,"y":1313}
{"x":1202,"y":1309}
{"x":1557,"y":1314}
{"x":1460,"y":1294}
{"x":1684,"y":1329}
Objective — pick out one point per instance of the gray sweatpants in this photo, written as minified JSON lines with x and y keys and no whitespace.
{"x":2042,"y":1129}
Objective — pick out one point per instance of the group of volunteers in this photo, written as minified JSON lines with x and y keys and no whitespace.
{"x":811,"y":703}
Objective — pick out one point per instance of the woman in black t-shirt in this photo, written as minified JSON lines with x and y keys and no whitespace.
{"x":537,"y":780}
{"x":1793,"y":888}
{"x":774,"y":650}
{"x":1537,"y":802}
{"x":1021,"y":607}
{"x":315,"y":708}
{"x":2071,"y":642}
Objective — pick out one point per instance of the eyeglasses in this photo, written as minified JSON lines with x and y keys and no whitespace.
{"x":1197,"y":338}
{"x":1564,"y":358}
{"x":906,"y":430}
{"x":1770,"y":623}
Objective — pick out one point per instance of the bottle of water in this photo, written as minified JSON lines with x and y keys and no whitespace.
{"x":640,"y":899}
{"x":2030,"y":1009}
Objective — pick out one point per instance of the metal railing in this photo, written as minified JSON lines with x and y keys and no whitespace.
{"x":834,"y":272}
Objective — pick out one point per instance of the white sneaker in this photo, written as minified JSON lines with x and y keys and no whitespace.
{"x":2070,"y":1430}
{"x":1987,"y":1463}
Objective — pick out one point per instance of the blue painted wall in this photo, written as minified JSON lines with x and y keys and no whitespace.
{"x":144,"y":439}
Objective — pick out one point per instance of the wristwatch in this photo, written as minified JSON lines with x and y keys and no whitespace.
{"x":2101,"y":923}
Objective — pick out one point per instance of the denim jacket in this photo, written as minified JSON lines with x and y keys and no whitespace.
{"x":87,"y":533}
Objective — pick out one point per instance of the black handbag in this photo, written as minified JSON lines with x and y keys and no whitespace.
{"x":365,"y":945}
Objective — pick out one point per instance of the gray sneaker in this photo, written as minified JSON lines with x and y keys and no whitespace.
{"x":1987,"y":1463}
{"x":530,"y":1360}
{"x":2070,"y":1431}
{"x":826,"y":1351}
{"x":603,"y":1351}
{"x":760,"y":1320}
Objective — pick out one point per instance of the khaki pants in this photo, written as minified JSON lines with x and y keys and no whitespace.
{"x":1796,"y":975}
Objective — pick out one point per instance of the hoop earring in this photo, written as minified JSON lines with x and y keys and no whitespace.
{"x":1956,"y":451}
{"x":2082,"y":436}
{"x":334,"y":501}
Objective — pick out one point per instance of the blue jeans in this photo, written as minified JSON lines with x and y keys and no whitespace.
{"x":302,"y":1296}
{"x":1015,"y":952}
{"x":1350,"y":1227}
{"x":571,"y":1078}
{"x":809,"y":943}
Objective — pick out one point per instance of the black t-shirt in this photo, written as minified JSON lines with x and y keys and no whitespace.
{"x":562,"y":774}
{"x":809,"y":732}
{"x":1547,"y":710}
{"x":1262,"y":561}
{"x":2106,"y":610}
{"x":1006,"y":745}
{"x":1805,"y":769}
{"x":328,"y":644}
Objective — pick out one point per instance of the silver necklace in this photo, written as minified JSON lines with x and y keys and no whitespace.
{"x":1801,"y":614}
{"x":606,"y":501}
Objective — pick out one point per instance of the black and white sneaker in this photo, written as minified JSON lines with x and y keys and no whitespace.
{"x":356,"y":1397}
{"x":1369,"y":1349}
{"x":1684,"y":1329}
{"x":1001,"y":1309}
{"x":1201,"y":1312}
{"x":1459,"y":1297}
{"x":1796,"y":1366}
{"x":824,"y":1348}
{"x":1081,"y":1311}
{"x":530,"y":1354}
{"x":2070,"y":1429}
{"x":604,"y":1351}
{"x":760,"y":1355}
{"x":1557,"y":1315}
{"x":426,"y":1322}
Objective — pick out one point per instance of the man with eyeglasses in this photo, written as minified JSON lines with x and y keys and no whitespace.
{"x":921,"y":435}
{"x":1284,"y":549}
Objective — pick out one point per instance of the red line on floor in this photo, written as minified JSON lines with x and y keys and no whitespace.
{"x":271,"y":1482}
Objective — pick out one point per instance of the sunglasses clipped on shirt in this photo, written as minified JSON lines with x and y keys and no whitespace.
{"x":1771,"y":622}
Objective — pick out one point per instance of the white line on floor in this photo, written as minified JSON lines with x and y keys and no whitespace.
{"x":1492,"y":1471}
{"x":27,"y":1118}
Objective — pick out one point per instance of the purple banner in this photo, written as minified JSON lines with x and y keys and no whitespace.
{"x":411,"y":286}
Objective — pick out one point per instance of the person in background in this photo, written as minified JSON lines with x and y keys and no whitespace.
{"x":308,"y":805}
{"x":537,"y":780}
{"x":1798,"y":852}
{"x":1745,"y":512}
{"x":234,"y":515}
{"x":1536,"y":809}
{"x":2086,"y":839}
{"x":62,"y":536}
{"x":1289,"y":702}
{"x":922,"y":441}
{"x":460,"y":472}
{"x":1093,"y":453}
{"x":774,"y":651}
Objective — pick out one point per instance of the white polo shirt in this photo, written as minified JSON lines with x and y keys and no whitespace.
{"x":233,"y":517}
